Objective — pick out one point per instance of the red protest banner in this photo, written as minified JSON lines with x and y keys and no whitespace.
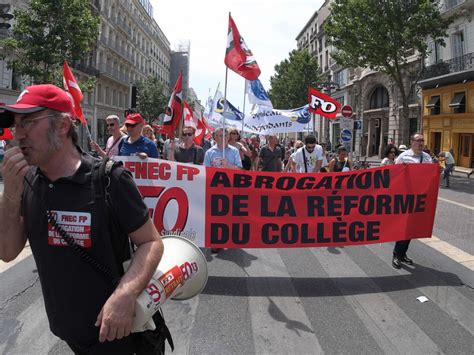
{"x":322,"y":104}
{"x":275,"y":210}
{"x":240,"y":209}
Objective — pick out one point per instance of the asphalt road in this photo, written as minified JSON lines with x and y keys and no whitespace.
{"x":303,"y":301}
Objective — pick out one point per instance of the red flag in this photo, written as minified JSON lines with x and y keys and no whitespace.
{"x":238,"y":57}
{"x":322,"y":104}
{"x":70,"y":86}
{"x":174,"y":110}
{"x":189,"y":117}
{"x":6,"y":135}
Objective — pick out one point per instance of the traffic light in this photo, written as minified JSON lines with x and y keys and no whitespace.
{"x":5,"y":16}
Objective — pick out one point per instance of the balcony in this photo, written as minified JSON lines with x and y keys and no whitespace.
{"x":454,"y":65}
{"x":114,"y":73}
{"x":85,"y":68}
{"x":448,"y":72}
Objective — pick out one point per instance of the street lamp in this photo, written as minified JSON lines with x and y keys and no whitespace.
{"x":329,"y":86}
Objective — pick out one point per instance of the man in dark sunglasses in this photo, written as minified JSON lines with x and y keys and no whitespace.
{"x":414,"y":155}
{"x":136,"y":143}
{"x":309,"y":158}
{"x":186,"y":151}
{"x":112,"y":147}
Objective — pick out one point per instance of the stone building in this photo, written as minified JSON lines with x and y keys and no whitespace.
{"x":130,"y":47}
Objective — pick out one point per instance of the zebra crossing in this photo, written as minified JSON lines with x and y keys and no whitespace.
{"x":290,"y":301}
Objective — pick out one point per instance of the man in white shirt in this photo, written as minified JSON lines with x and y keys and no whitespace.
{"x":309,"y":158}
{"x":414,"y":155}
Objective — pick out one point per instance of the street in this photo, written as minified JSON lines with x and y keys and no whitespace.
{"x":302,"y":301}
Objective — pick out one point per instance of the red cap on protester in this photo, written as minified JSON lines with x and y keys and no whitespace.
{"x":36,"y":98}
{"x":134,"y":118}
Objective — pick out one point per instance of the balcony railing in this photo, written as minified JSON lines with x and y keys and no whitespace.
{"x":454,"y":65}
{"x":85,"y":68}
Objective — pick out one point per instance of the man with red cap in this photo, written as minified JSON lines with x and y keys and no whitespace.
{"x":136,"y":143}
{"x":49,"y":190}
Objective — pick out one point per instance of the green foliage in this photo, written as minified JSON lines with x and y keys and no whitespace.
{"x":289,"y":85}
{"x":47,"y":33}
{"x":382,"y":34}
{"x":151,"y":100}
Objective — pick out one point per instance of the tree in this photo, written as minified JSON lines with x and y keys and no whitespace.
{"x":382,"y":35}
{"x":151,"y":100}
{"x":289,"y":85}
{"x":47,"y":33}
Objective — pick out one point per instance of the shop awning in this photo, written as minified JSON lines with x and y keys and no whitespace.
{"x":458,"y":100}
{"x":434,"y":101}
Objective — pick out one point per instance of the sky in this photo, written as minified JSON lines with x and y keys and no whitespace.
{"x":269,"y":29}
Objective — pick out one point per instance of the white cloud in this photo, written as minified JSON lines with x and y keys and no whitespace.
{"x":268,"y":27}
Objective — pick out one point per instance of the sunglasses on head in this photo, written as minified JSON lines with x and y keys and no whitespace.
{"x":128,"y":125}
{"x":188,"y":134}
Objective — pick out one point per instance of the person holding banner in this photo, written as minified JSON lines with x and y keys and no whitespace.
{"x":309,"y":158}
{"x":49,"y":194}
{"x":186,"y":151}
{"x":340,"y":163}
{"x":113,"y":142}
{"x":414,"y":155}
{"x":220,"y":156}
{"x":136,"y":143}
{"x":270,"y":155}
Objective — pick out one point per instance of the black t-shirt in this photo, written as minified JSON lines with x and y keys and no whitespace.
{"x":271,"y":160}
{"x":193,"y":155}
{"x":74,"y":292}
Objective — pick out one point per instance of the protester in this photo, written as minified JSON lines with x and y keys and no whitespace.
{"x":291,"y":165}
{"x":270,"y":155}
{"x":136,"y":143}
{"x":402,"y":148}
{"x":245,"y":153}
{"x":49,"y":172}
{"x":186,"y":151}
{"x":113,"y":142}
{"x":147,"y":132}
{"x":390,"y":154}
{"x":411,"y":156}
{"x":448,"y":165}
{"x":254,"y":147}
{"x":205,"y":144}
{"x":340,"y":163}
{"x":309,"y":158}
{"x":222,"y":155}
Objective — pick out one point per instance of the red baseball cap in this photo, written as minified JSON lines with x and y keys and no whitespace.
{"x":36,"y":98}
{"x":134,"y":118}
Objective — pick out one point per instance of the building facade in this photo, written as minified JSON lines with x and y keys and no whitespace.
{"x":180,"y":57}
{"x":375,"y":100}
{"x":130,"y":47}
{"x":448,"y":87}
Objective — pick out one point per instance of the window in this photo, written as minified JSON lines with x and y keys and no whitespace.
{"x":459,"y":102}
{"x":379,"y":98}
{"x":457,"y":41}
{"x":434,"y":105}
{"x":100,"y":94}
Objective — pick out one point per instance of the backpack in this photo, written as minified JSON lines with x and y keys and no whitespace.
{"x":150,"y":341}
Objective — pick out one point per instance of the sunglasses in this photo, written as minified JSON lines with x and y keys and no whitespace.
{"x":129,"y":125}
{"x":110,"y":124}
{"x":187,"y":134}
{"x":419,"y":140}
{"x":233,"y":133}
{"x":392,"y":152}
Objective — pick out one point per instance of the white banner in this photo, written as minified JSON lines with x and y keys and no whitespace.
{"x":278,"y":121}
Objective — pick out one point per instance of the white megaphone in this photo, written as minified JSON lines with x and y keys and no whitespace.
{"x":181,"y":274}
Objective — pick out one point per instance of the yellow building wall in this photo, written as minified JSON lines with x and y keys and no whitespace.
{"x":448,"y":123}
